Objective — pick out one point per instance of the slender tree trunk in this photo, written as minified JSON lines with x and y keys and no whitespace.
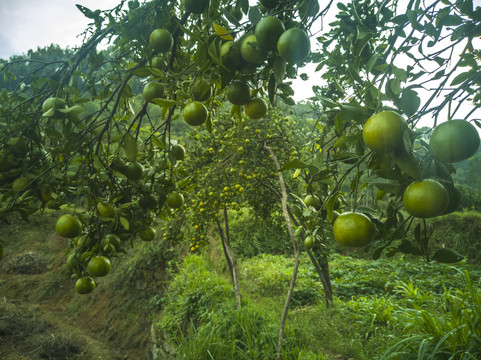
{"x":322,"y":269}
{"x":296,"y":252}
{"x":230,"y":258}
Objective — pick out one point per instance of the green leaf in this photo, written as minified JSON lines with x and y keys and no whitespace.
{"x":417,"y":233}
{"x":409,"y":102}
{"x":214,"y":51}
{"x":272,"y":90}
{"x":254,"y":15}
{"x":406,"y":247}
{"x":244,"y":5}
{"x":451,"y":20}
{"x":371,"y":62}
{"x":296,"y":164}
{"x":208,"y":123}
{"x":328,"y":103}
{"x":395,"y":86}
{"x":124,"y":222}
{"x":339,"y":123}
{"x":400,"y":19}
{"x":1,"y":251}
{"x":73,"y":110}
{"x":462,"y":77}
{"x":49,"y":113}
{"x":164,"y":102}
{"x":86,"y":11}
{"x":202,"y":54}
{"x":130,"y":147}
{"x":387,"y":186}
{"x":377,"y":253}
{"x":447,"y":256}
{"x":279,"y":69}
{"x":412,"y":16}
{"x":54,"y":134}
{"x":159,"y":143}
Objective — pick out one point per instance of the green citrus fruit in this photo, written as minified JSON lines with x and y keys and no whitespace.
{"x":309,"y":242}
{"x":133,"y":171}
{"x":147,"y":234}
{"x":312,"y":200}
{"x":148,"y":201}
{"x":72,"y":262}
{"x":294,"y":45}
{"x":196,"y":6}
{"x":98,"y":266}
{"x":20,"y":184}
{"x":68,"y":226}
{"x":106,"y":209}
{"x":231,"y":56}
{"x":112,"y":239}
{"x":252,"y":52}
{"x":238,"y":92}
{"x":353,"y":229}
{"x":426,"y":198}
{"x":195,"y":113}
{"x":201,"y":90}
{"x":178,"y":152}
{"x":175,"y":200}
{"x":269,"y":4}
{"x":85,"y":285}
{"x":153,"y":90}
{"x":383,"y":132}
{"x":161,"y":40}
{"x":268,"y":30}
{"x":256,"y":108}
{"x":454,"y":141}
{"x":158,"y":62}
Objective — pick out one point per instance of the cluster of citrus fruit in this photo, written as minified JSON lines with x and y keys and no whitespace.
{"x":94,"y":246}
{"x":269,"y":40}
{"x":423,"y":197}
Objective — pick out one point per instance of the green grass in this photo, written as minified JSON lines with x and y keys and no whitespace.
{"x":374,"y":304}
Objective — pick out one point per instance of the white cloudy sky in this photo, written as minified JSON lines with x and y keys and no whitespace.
{"x":26,"y":24}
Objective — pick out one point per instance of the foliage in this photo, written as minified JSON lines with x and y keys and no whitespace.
{"x":201,"y":320}
{"x":192,"y":294}
{"x":460,"y":231}
{"x":446,"y":329}
{"x":252,"y":235}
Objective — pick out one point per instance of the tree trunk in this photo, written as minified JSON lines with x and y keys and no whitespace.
{"x":322,"y":269}
{"x":230,"y":258}
{"x":296,"y":252}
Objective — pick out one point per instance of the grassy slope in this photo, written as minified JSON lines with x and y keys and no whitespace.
{"x":370,"y":300}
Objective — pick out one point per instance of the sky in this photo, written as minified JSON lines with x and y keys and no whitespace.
{"x":27,"y":24}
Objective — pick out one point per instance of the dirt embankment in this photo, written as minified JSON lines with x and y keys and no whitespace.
{"x":42,"y":317}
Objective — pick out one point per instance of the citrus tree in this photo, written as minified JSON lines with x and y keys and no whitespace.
{"x":98,"y":138}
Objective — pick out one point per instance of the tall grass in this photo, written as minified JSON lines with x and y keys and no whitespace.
{"x":201,"y":322}
{"x":446,"y":329}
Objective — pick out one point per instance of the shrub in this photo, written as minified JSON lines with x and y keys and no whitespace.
{"x":461,"y":232}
